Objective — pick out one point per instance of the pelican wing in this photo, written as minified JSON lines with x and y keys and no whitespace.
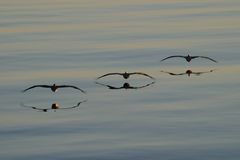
{"x":179,"y":74}
{"x":144,"y":85}
{"x":75,"y":105}
{"x":130,"y":87}
{"x":205,"y":58}
{"x":109,"y":86}
{"x":26,"y":106}
{"x":144,"y":74}
{"x":41,"y":109}
{"x":43,"y":86}
{"x":70,"y":86}
{"x":198,"y":73}
{"x":33,"y":107}
{"x":173,"y":57}
{"x":173,"y":74}
{"x":109,"y":74}
{"x":112,"y":87}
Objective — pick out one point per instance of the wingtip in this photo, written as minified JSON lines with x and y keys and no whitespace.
{"x":153,"y":78}
{"x":83,"y":91}
{"x":84,"y":101}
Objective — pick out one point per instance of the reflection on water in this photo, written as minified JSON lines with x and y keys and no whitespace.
{"x":188,"y":72}
{"x":74,"y":41}
{"x":125,"y":86}
{"x":54,"y":107}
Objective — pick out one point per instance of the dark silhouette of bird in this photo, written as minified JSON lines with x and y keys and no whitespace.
{"x":54,"y":87}
{"x":125,"y":86}
{"x":54,"y":107}
{"x":188,"y":72}
{"x":189,"y":58}
{"x":126,"y":75}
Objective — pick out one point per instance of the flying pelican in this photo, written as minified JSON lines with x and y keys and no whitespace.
{"x":54,"y":106}
{"x":126,"y":75}
{"x":54,"y":87}
{"x":189,"y":58}
{"x":125,"y":86}
{"x":188,"y":72}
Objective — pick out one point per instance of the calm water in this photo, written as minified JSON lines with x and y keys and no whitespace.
{"x":73,"y":42}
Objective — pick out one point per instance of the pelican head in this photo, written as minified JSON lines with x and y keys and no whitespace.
{"x":188,"y":58}
{"x":126,"y":85}
{"x":55,"y":106}
{"x":54,"y":87}
{"x":126,"y":75}
{"x":188,"y":72}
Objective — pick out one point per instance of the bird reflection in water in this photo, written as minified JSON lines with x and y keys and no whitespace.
{"x":54,"y":107}
{"x":125,"y":86}
{"x":188,"y":72}
{"x":126,"y":75}
{"x":54,"y":87}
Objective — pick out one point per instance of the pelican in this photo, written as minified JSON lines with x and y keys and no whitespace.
{"x":54,"y":87}
{"x":125,"y":86}
{"x":189,"y":58}
{"x":188,"y":72}
{"x":126,"y":75}
{"x":54,"y":106}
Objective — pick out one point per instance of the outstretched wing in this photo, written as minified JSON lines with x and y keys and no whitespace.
{"x":145,"y":85}
{"x":26,"y":106}
{"x":75,"y":105}
{"x":199,"y":73}
{"x":33,"y":107}
{"x":43,"y":86}
{"x":173,"y":74}
{"x":70,"y":86}
{"x":109,"y":86}
{"x":144,"y":74}
{"x":205,"y":58}
{"x":173,"y":57}
{"x":109,"y":74}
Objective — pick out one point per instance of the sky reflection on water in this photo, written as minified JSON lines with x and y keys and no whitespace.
{"x":74,"y":42}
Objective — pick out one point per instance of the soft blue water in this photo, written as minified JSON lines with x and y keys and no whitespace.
{"x":74,"y":42}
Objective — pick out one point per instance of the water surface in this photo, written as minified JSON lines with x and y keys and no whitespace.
{"x":74,"y":42}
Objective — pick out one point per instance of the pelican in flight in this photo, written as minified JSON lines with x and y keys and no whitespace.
{"x":125,"y":86}
{"x":188,"y":72}
{"x":189,"y":58}
{"x":126,"y":75}
{"x":54,"y":87}
{"x":54,"y":107}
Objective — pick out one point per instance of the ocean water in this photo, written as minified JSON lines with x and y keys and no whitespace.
{"x":174,"y":117}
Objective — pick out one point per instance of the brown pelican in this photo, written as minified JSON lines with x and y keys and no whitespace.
{"x":54,"y":87}
{"x":189,"y":58}
{"x":125,"y":86}
{"x":54,"y":107}
{"x":126,"y":75}
{"x":188,"y":72}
